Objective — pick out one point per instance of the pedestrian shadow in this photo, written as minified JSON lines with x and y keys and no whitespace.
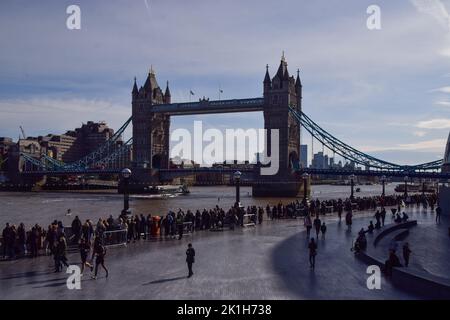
{"x":50,"y":285}
{"x":41,"y":281}
{"x":164,"y":280}
{"x":29,"y":274}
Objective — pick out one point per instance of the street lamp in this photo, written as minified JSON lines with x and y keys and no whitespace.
{"x":352,"y":184}
{"x":406,"y":178}
{"x":305,"y":177}
{"x":383,"y":181}
{"x":126,"y":174}
{"x":237,"y":180}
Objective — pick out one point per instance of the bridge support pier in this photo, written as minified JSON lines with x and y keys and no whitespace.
{"x":283,"y":185}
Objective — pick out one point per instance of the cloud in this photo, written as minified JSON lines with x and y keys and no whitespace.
{"x":441,"y":89}
{"x":443,"y":103}
{"x":434,"y":124}
{"x":419,"y":133}
{"x":434,"y":8}
{"x":435,"y":145}
{"x":43,"y":115}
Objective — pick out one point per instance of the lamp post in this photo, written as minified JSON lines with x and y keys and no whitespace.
{"x":237,"y":180}
{"x":406,"y":178}
{"x":126,"y":174}
{"x":383,"y":181}
{"x":352,"y":185}
{"x":305,"y":177}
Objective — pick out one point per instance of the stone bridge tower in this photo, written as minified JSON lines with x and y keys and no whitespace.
{"x":150,"y":130}
{"x":280,"y":93}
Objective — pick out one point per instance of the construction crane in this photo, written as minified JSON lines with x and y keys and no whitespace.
{"x":23,"y":132}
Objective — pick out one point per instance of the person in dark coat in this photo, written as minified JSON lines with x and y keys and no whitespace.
{"x":371,"y":227}
{"x":76,"y":229}
{"x":85,"y":249}
{"x":99,"y":253}
{"x":312,"y":253}
{"x":438,"y":214}
{"x":383,"y":216}
{"x":190,"y":259}
{"x":317,"y":224}
{"x":348,"y":219}
{"x":406,"y":253}
{"x":323,"y":229}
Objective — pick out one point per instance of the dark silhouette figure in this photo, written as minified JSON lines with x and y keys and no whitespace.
{"x":406,"y":253}
{"x":99,"y":252}
{"x":393,"y":261}
{"x":312,"y":253}
{"x":317,"y":225}
{"x":190,"y":259}
{"x":323,"y":229}
{"x":438,"y":214}
{"x":371,"y":227}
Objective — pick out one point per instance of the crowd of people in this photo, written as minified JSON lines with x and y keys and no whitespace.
{"x":89,"y":237}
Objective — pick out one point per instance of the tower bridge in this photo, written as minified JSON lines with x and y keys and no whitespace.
{"x":281,"y":105}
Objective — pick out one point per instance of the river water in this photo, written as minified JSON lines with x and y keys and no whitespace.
{"x":44,"y":207}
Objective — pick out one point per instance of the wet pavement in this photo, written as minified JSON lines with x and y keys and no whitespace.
{"x":269,"y":261}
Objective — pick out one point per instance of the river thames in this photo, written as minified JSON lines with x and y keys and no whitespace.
{"x":44,"y":207}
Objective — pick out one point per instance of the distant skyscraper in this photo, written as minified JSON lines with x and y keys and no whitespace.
{"x":304,"y":155}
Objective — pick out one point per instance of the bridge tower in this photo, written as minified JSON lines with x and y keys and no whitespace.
{"x":150,"y":130}
{"x":280,"y":93}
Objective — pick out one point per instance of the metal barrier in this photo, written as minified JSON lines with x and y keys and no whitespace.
{"x":249,"y":220}
{"x":187,"y":228}
{"x":115,"y":238}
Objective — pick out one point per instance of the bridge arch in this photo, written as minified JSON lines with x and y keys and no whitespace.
{"x":157,"y":161}
{"x":293,"y":159}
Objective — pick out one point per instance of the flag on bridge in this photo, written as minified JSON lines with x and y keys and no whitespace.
{"x":192,"y":93}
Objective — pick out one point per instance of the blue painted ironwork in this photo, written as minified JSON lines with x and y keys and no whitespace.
{"x":377,"y":173}
{"x":206,"y":107}
{"x":106,"y":154}
{"x":352,"y":154}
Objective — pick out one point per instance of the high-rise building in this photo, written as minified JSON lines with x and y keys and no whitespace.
{"x":304,"y":155}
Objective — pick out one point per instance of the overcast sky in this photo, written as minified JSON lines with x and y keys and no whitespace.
{"x":386,"y":92}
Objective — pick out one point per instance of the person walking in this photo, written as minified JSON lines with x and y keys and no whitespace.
{"x":317,"y":225}
{"x":383,"y":216}
{"x":180,"y":226}
{"x":308,"y":224}
{"x":438,"y":214}
{"x":323,"y":229}
{"x":61,"y":249}
{"x":76,"y":229}
{"x":406,"y":253}
{"x":99,"y":252}
{"x":85,"y":249}
{"x":190,"y":259}
{"x":348,"y":219}
{"x":312,"y":253}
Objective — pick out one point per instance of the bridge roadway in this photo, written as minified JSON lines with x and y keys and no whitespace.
{"x":265,"y":262}
{"x":168,"y":174}
{"x":210,"y":107}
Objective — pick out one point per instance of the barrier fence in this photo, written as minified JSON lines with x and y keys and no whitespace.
{"x":114,"y":238}
{"x":249,"y":220}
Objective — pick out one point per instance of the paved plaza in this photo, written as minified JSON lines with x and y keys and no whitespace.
{"x":269,"y":261}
